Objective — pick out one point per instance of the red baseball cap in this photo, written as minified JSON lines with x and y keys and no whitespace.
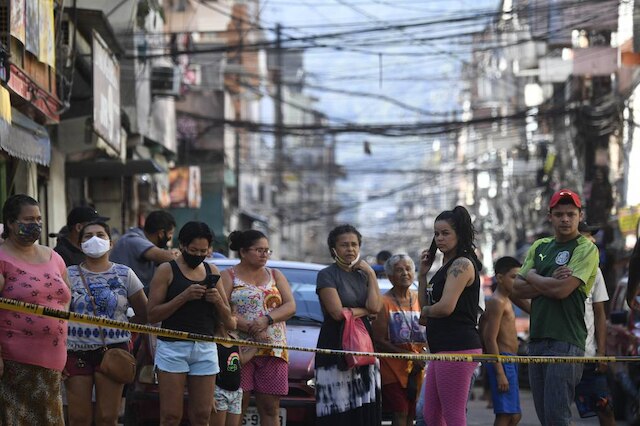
{"x":565,"y":193}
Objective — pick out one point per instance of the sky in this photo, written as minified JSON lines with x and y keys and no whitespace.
{"x":422,"y":74}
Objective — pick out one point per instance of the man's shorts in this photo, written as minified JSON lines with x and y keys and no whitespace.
{"x":265,"y":374}
{"x":592,"y":393}
{"x":395,"y":400}
{"x":229,"y":401}
{"x":192,"y":358}
{"x":504,"y":402}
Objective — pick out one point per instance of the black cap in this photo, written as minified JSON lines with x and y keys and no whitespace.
{"x":84,"y":214}
{"x":584,"y":227}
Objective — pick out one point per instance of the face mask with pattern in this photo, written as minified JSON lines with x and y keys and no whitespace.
{"x":29,"y":232}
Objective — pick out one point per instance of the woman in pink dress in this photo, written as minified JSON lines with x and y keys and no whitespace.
{"x":33,"y":349}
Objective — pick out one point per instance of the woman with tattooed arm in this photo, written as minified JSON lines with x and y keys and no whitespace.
{"x":449,"y":310}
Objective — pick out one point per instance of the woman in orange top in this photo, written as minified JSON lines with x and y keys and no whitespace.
{"x":396,"y":330}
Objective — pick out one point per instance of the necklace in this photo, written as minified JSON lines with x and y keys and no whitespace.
{"x":397,"y":302}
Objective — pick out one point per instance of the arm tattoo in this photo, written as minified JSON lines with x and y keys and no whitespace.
{"x":458,"y":267}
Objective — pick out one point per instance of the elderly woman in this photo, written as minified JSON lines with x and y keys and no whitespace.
{"x":33,"y":349}
{"x":395,"y":330}
{"x":346,"y":397}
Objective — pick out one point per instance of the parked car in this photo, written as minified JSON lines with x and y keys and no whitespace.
{"x":298,"y":407}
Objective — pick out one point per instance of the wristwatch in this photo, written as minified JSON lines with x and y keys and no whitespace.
{"x":269,"y":319}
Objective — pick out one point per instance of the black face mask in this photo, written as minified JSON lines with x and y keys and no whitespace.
{"x":192,"y":260}
{"x":162,"y":242}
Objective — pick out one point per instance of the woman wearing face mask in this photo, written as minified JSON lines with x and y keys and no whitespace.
{"x":184,"y":298}
{"x":32,"y":348}
{"x":104,"y":289}
{"x":346,"y":396}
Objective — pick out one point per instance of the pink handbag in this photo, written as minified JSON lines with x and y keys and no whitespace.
{"x":356,"y":338}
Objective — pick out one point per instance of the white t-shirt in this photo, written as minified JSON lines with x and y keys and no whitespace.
{"x":598,"y":294}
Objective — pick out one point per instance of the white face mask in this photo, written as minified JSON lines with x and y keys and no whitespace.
{"x":96,"y":247}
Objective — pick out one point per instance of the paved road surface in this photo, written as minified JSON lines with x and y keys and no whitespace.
{"x":480,"y":415}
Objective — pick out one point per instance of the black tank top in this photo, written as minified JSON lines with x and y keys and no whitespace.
{"x":229,"y":376}
{"x":459,"y":330}
{"x":195,"y":316}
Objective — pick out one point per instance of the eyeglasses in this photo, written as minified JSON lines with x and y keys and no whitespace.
{"x":262,"y":251}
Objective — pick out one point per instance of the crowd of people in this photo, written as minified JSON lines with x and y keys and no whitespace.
{"x":138,"y":279}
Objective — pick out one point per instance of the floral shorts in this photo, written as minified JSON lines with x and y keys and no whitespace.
{"x":229,"y":401}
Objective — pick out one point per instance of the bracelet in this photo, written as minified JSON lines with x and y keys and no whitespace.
{"x":269,"y":319}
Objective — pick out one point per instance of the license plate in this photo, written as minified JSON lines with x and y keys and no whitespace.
{"x":252,"y":418}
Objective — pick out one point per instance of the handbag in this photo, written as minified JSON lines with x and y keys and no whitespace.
{"x":356,"y":338}
{"x":117,"y":364}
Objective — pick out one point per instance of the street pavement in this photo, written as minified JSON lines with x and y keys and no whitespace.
{"x":479,"y":414}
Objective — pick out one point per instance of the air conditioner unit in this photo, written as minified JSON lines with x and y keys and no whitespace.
{"x":165,"y":81}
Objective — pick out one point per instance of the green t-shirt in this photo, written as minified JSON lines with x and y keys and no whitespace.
{"x":562,"y":319}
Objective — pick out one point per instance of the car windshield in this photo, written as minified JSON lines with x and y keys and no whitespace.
{"x":303,"y":287}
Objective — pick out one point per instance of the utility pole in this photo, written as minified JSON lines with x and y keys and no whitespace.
{"x":238,"y":109}
{"x":279,"y":134}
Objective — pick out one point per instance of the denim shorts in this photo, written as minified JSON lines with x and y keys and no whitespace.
{"x":192,"y":358}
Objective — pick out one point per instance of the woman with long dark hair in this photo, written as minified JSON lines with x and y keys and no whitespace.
{"x":183,"y":297}
{"x":349,"y":397}
{"x":449,"y":310}
{"x":263,"y":302}
{"x":33,"y":349}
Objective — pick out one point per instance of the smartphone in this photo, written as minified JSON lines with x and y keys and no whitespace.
{"x":432,"y":249}
{"x":212,"y":280}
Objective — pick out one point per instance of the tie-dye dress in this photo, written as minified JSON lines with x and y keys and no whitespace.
{"x":345,"y":397}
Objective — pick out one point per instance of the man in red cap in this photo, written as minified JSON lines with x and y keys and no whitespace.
{"x":558,"y":306}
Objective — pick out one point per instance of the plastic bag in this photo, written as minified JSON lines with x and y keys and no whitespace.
{"x":355,"y":337}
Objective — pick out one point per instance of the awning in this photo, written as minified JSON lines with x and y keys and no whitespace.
{"x":27,"y":140}
{"x":112,"y":168}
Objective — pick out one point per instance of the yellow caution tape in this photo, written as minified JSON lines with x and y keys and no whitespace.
{"x":29,"y":308}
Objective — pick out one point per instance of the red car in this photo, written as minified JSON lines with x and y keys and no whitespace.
{"x":298,"y":407}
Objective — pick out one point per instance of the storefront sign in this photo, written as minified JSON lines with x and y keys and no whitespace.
{"x":106,"y":93}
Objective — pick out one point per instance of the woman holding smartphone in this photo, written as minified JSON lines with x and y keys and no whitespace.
{"x":183,"y":297}
{"x":449,"y":310}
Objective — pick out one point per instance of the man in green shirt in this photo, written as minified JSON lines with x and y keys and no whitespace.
{"x":557,"y":306}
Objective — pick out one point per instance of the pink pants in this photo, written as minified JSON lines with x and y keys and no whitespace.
{"x":447,"y":389}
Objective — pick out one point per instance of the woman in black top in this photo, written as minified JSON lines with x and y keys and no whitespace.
{"x":183,"y":296}
{"x":449,"y":310}
{"x":346,"y":397}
